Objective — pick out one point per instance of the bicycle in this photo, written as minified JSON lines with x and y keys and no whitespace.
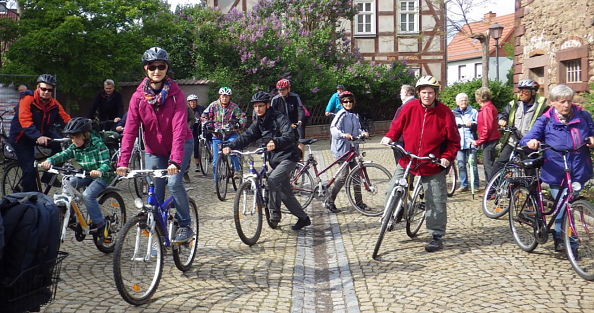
{"x":495,"y":202}
{"x":452,"y":179}
{"x":398,"y":198}
{"x":205,"y":151}
{"x":373,"y":179}
{"x":225,"y":171}
{"x":142,"y":242}
{"x":367,"y":123}
{"x":70,"y":200}
{"x":527,"y":218}
{"x":251,"y":199}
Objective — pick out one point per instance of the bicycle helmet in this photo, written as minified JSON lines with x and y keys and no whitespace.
{"x":346,"y":94}
{"x":260,"y":96}
{"x":155,"y":54}
{"x":427,"y":81}
{"x":192,"y":97}
{"x":225,"y":91}
{"x":283,"y":83}
{"x":340,"y":87}
{"x":528,"y":84}
{"x":77,"y":125}
{"x":47,"y":78}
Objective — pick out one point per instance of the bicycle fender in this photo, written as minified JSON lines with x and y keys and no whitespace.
{"x":189,"y":188}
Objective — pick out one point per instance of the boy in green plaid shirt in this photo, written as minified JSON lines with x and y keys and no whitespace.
{"x":92,"y":154}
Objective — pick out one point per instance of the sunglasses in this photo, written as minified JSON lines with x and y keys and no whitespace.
{"x":348,"y":101}
{"x":46,"y":89}
{"x":161,"y":67}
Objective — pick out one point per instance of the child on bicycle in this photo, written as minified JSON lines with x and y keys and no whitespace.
{"x":89,"y":151}
{"x":344,"y":128}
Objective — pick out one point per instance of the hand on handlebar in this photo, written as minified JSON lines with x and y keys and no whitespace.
{"x":46,"y":165}
{"x":348,"y":137}
{"x":226,"y":150}
{"x":43,"y":140}
{"x":365,"y":134}
{"x":533,"y":144}
{"x":385,"y":141}
{"x":95,"y":173}
{"x":591,"y":142}
{"x":122,"y":171}
{"x":502,"y":123}
{"x":270,"y":145}
{"x":444,"y":162}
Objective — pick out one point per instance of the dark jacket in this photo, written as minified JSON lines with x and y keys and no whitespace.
{"x":109,"y":107}
{"x":272,"y":126}
{"x":196,"y":129}
{"x":529,"y":115}
{"x":32,"y":119}
{"x":291,"y":106}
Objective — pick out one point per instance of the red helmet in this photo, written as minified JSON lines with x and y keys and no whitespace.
{"x":283,"y":83}
{"x":345,"y":94}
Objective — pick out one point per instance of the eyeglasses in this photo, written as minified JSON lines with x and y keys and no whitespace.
{"x":46,"y":89}
{"x":348,"y":101}
{"x":525,"y":91}
{"x":161,"y":67}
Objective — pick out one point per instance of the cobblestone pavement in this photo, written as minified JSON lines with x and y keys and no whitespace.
{"x":328,"y":267}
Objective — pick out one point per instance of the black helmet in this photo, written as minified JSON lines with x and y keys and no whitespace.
{"x":155,"y":54}
{"x":47,"y":78}
{"x":260,"y":96}
{"x":77,"y":125}
{"x":341,"y":87}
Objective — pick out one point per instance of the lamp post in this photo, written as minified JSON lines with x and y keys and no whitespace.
{"x":495,"y":31}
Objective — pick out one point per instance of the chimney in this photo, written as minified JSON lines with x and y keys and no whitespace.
{"x":490,"y":15}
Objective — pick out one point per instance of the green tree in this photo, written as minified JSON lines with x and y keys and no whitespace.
{"x":502,"y":93}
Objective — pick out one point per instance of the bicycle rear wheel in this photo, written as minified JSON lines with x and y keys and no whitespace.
{"x":371,"y":127}
{"x":114,"y":211}
{"x":221,"y":177}
{"x":12,"y":179}
{"x":373,"y":180}
{"x":580,"y":245}
{"x":415,"y":212}
{"x":205,"y":157}
{"x":452,"y":179}
{"x":522,"y":217}
{"x":497,"y":192}
{"x":137,"y":269}
{"x":387,"y":221}
{"x":247,"y":213}
{"x":302,"y":185}
{"x":183,"y":254}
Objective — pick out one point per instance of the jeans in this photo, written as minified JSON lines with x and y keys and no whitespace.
{"x":94,"y":187}
{"x":436,"y":195}
{"x":175,"y":183}
{"x":280,"y":189}
{"x":215,"y":154}
{"x":462,"y":160}
{"x":489,"y":158}
{"x":559,"y":218}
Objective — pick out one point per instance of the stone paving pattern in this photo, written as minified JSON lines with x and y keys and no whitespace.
{"x":328,"y":267}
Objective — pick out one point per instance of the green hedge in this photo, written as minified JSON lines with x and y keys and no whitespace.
{"x":502,"y":93}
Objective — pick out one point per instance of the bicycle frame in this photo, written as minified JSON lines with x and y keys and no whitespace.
{"x":257,"y":178}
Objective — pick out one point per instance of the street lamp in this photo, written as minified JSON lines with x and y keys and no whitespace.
{"x":495,"y":31}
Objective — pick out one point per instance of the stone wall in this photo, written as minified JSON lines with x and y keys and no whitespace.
{"x":549,"y":33}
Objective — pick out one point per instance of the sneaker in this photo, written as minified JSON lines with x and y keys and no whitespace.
{"x":236,"y":175}
{"x":436,"y":244}
{"x":100,"y":232}
{"x":364,"y":207}
{"x":197,"y":169}
{"x":301,"y":223}
{"x":332,"y":208}
{"x":187,"y":177}
{"x":275,"y":216}
{"x":184,"y":234}
{"x":462,"y":189}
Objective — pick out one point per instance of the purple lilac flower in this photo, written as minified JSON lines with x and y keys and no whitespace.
{"x":158,"y":38}
{"x":315,"y":90}
{"x":411,"y":72}
{"x":263,"y":61}
{"x":404,"y":62}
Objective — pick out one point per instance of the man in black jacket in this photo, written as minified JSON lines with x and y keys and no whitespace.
{"x":275,"y":130}
{"x":110,"y":105}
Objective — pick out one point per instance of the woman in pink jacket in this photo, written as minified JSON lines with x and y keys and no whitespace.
{"x":160,"y":105}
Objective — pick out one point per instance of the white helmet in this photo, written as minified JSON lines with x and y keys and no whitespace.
{"x":192,"y":97}
{"x":225,"y":91}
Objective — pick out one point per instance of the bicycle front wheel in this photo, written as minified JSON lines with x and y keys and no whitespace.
{"x":141,"y":182}
{"x":183,"y":254}
{"x":12,"y":179}
{"x":366,"y":187}
{"x":114,"y":211}
{"x":387,"y":221}
{"x":415,"y":212}
{"x":452,"y":179}
{"x":302,"y":185}
{"x":496,"y":200}
{"x":221,"y":176}
{"x":247,"y":213}
{"x":205,"y":157}
{"x":580,"y":244}
{"x":138,"y":262}
{"x":522,"y":217}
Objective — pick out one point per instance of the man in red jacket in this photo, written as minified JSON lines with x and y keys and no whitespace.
{"x":428,"y":127}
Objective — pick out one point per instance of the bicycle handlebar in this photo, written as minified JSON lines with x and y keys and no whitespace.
{"x":542,"y":147}
{"x":157,"y":173}
{"x":66,"y":171}
{"x":431,"y":156}
{"x":257,"y":151}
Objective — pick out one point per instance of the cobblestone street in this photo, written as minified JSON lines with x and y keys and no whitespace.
{"x":327,"y":267}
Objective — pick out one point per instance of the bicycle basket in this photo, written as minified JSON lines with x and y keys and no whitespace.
{"x":33,"y":288}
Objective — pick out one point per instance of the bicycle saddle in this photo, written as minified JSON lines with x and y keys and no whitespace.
{"x":308,"y":141}
{"x":533,"y":163}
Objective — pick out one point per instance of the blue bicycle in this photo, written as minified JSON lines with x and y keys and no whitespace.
{"x":144,"y":239}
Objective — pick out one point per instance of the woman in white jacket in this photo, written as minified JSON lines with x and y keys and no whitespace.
{"x":344,"y":128}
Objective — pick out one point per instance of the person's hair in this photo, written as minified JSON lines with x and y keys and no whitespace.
{"x":483,"y":94}
{"x":561,"y":92}
{"x":461,"y":96}
{"x":410,"y":90}
{"x":109,"y":82}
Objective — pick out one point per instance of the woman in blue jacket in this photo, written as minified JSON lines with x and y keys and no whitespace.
{"x":563,"y":126}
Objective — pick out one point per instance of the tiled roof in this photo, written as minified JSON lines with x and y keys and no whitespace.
{"x":463,"y":47}
{"x":178,"y":81}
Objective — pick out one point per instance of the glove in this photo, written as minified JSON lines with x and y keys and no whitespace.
{"x":385,"y":140}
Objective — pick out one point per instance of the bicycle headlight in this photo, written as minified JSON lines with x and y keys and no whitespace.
{"x":402,"y":182}
{"x":363,"y":154}
{"x":576,"y":186}
{"x":138,"y":203}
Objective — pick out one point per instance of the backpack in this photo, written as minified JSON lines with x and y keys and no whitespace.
{"x":32,"y":237}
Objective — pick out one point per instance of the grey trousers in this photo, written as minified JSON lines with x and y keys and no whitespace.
{"x":280,"y":189}
{"x":339,"y":183}
{"x":436,"y":196}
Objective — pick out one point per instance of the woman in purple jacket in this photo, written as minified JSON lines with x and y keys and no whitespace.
{"x":563,"y":126}
{"x":160,"y":105}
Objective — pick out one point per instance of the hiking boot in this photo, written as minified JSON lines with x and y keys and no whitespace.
{"x":100,"y":232}
{"x":184,"y":234}
{"x":332,"y":208}
{"x":462,"y":189}
{"x":436,"y":244}
{"x":301,"y":223}
{"x":275,"y":216}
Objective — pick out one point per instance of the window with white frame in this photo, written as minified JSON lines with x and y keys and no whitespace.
{"x":365,"y":19}
{"x":409,"y":16}
{"x":478,"y":70}
{"x":573,"y":71}
{"x":461,"y":72}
